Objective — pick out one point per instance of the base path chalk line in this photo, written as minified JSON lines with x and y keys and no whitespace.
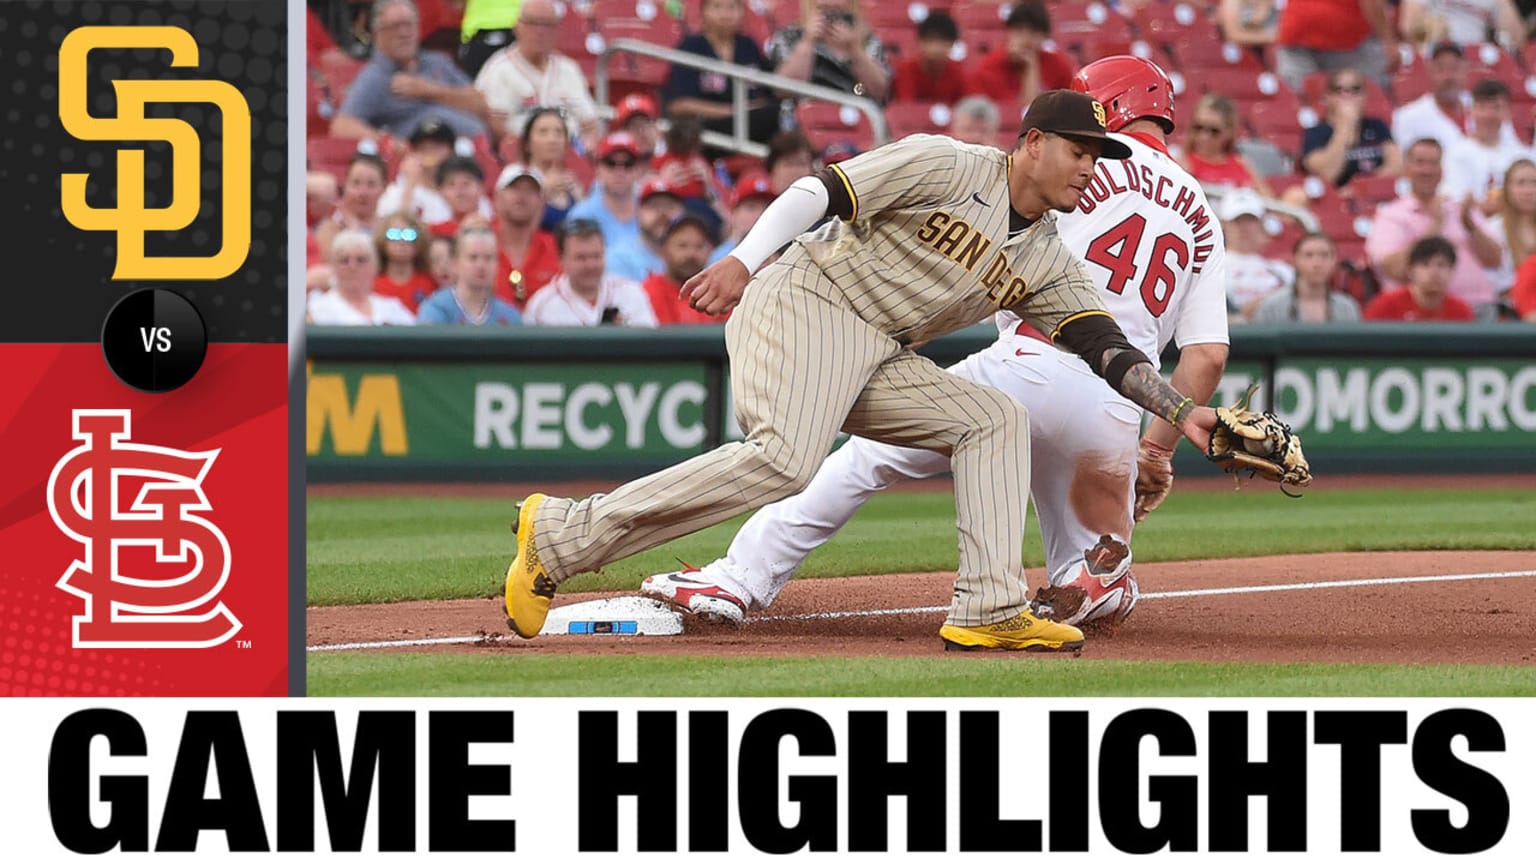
{"x":924,"y":610}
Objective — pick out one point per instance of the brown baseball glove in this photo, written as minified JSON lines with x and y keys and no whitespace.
{"x":1258,"y":443}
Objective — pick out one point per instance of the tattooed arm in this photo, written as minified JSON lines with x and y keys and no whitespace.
{"x":1100,"y":342}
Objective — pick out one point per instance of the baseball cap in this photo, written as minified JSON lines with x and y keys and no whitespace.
{"x":618,"y":142}
{"x":632,"y":105}
{"x":1241,"y":202}
{"x":1073,"y":115}
{"x":691,"y":219}
{"x":657,"y":186}
{"x":432,"y":129}
{"x":517,"y":171}
{"x":753,"y":184}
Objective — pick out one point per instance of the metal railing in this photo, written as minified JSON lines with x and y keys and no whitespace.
{"x":741,"y":77}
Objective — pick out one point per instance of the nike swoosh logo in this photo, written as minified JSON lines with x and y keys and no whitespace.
{"x":1022,"y":353}
{"x":977,"y":198}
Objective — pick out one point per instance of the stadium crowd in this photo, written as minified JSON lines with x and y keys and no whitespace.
{"x":1367,"y":160}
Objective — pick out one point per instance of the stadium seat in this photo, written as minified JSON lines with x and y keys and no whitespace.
{"x":1369,"y":191}
{"x":340,"y":71}
{"x":330,"y":154}
{"x":1074,"y":24}
{"x":1410,"y":82}
{"x":980,"y":17}
{"x":825,"y":122}
{"x":1165,"y":22}
{"x":1488,"y":60}
{"x":1207,"y":59}
{"x":905,"y":118}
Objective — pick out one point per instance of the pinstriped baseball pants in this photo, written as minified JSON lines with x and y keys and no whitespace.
{"x":803,"y":365}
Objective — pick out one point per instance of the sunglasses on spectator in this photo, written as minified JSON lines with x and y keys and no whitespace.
{"x":407,"y":235}
{"x":1351,"y":89}
{"x":1202,"y":129}
{"x":353,"y":259}
{"x":619,"y":163}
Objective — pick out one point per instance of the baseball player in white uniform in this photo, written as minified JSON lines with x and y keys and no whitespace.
{"x":1154,"y":251}
{"x":931,"y":235}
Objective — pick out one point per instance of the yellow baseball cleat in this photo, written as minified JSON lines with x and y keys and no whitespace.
{"x":1022,"y":632}
{"x":529,"y":588}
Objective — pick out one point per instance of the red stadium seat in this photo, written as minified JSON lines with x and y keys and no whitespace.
{"x":906,"y":118}
{"x":1370,"y":191}
{"x":980,"y":17}
{"x":1488,"y":60}
{"x":330,"y":154}
{"x":825,"y":122}
{"x":1410,"y":82}
{"x":1198,"y":56}
{"x":1165,"y":22}
{"x":340,"y":71}
{"x":1276,"y":123}
{"x":1074,"y":24}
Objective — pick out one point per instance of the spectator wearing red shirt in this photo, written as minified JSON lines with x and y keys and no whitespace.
{"x":1324,"y":35}
{"x":1523,"y":295}
{"x":685,"y":248}
{"x":1210,"y":154}
{"x":402,"y":243}
{"x":528,"y":256}
{"x":1022,"y":68}
{"x":1427,"y":296}
{"x":931,"y":76}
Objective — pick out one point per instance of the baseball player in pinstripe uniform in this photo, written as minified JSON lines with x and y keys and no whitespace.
{"x":931,"y":235}
{"x":1156,"y":255}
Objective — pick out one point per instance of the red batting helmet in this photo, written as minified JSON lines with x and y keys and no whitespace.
{"x":1130,"y":88}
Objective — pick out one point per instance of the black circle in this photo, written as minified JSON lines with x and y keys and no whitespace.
{"x":154,"y":340}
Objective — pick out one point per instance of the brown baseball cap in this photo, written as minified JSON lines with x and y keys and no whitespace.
{"x":1073,"y":115}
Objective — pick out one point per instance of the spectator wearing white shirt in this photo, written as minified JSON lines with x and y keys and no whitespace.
{"x":1475,"y":165}
{"x":1250,"y":276}
{"x":351,"y":300}
{"x":585,"y":295}
{"x":1443,"y":113}
{"x":414,"y":189}
{"x":530,"y":73}
{"x":1513,"y":227}
{"x":1465,"y":22}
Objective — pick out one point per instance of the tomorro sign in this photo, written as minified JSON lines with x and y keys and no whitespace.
{"x":1355,"y":403}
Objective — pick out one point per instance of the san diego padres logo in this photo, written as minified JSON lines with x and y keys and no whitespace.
{"x":1098,"y":113}
{"x":151,"y":571}
{"x":130,"y":219}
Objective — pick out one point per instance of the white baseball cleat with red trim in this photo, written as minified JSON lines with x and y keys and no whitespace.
{"x":683,"y":589}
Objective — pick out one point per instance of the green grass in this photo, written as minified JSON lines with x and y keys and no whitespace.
{"x":372,"y":550}
{"x":429,"y":675}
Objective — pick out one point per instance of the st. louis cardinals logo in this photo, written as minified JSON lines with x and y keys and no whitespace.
{"x":151,"y":571}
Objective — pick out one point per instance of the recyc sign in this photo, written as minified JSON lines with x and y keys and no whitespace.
{"x":538,"y":415}
{"x":1400,"y":399}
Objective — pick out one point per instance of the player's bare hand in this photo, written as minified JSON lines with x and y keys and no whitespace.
{"x":1154,"y":477}
{"x":718,"y":288}
{"x":1198,"y":425}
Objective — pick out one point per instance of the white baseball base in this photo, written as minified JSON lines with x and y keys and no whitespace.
{"x":615,"y":616}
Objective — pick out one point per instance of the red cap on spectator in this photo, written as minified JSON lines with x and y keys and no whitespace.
{"x":618,"y":142}
{"x":657,"y":186}
{"x":632,"y":105}
{"x":753,"y":184}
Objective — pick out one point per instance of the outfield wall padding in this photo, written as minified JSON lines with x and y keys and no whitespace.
{"x":539,"y":404}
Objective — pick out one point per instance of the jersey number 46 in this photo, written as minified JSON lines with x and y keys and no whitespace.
{"x":1116,"y":251}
